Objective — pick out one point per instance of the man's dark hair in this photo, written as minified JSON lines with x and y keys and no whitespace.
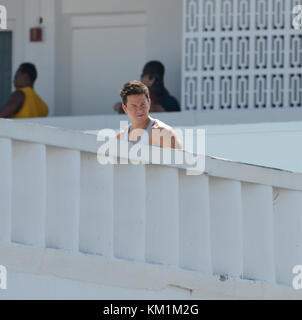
{"x":133,"y":88}
{"x":154,"y":68}
{"x":30,"y":70}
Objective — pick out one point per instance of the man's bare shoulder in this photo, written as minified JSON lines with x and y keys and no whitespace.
{"x":161,"y":126}
{"x":120,"y":134}
{"x":162,"y":129}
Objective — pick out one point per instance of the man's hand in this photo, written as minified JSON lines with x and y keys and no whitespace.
{"x":13,"y":105}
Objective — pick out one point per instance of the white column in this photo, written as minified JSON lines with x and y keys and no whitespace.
{"x":42,"y":54}
{"x":226,"y":226}
{"x":29,"y":193}
{"x":129,"y":211}
{"x":162,"y":221}
{"x":194,"y":224}
{"x":288,"y":233}
{"x":5,"y":189}
{"x":96,"y":218}
{"x":63,"y":198}
{"x":258,"y":229}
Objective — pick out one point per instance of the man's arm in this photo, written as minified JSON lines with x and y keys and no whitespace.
{"x":120,"y":134}
{"x":13,"y":105}
{"x":173,"y":141}
{"x":166,"y":137}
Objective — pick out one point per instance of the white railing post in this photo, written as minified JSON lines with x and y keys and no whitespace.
{"x":162,"y":221}
{"x":288,"y":235}
{"x":194,"y":224}
{"x":258,"y":232}
{"x":226,"y":226}
{"x":129,"y":211}
{"x":5,"y":189}
{"x":97,"y":210}
{"x":29,"y":193}
{"x":63,"y":198}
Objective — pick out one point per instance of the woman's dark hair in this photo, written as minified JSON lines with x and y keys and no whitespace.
{"x":30,"y":70}
{"x":154,"y":68}
{"x":157,"y":87}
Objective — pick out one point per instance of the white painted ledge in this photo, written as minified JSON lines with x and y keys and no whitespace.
{"x":75,"y":140}
{"x":135,"y":275}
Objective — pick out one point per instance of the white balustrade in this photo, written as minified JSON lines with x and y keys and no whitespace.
{"x":258,"y":232}
{"x":288,"y":235}
{"x":194,"y":222}
{"x":129,"y":211}
{"x":97,"y":210}
{"x":226,"y":227}
{"x":162,"y":220}
{"x":28,"y":193}
{"x":5,"y":189}
{"x":235,"y":219}
{"x":63,"y":198}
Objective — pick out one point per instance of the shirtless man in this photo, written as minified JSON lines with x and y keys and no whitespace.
{"x":136,"y":104}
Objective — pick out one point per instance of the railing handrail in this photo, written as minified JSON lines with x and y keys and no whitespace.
{"x":76,"y":140}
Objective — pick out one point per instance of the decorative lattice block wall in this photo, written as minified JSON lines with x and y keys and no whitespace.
{"x":241,"y":54}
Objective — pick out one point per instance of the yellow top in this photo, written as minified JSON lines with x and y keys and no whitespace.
{"x":33,"y":105}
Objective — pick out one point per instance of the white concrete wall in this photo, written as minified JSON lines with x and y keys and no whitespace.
{"x":232,"y":232}
{"x":83,"y":28}
{"x":60,"y":60}
{"x":16,"y":20}
{"x":164,"y":39}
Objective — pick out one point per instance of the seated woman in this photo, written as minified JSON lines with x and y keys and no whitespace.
{"x":24,"y":102}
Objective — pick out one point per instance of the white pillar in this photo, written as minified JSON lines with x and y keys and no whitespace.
{"x":129,"y":211}
{"x":63,"y":198}
{"x":226,"y":226}
{"x":96,"y":218}
{"x":5,"y":189}
{"x":42,"y":54}
{"x":29,"y":193}
{"x":288,"y":233}
{"x":162,"y":221}
{"x":194,"y":224}
{"x":258,"y":232}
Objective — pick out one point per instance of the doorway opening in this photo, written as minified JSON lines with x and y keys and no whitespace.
{"x":5,"y":66}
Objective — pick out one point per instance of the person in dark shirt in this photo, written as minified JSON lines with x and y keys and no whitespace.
{"x":161,"y":100}
{"x":153,"y":78}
